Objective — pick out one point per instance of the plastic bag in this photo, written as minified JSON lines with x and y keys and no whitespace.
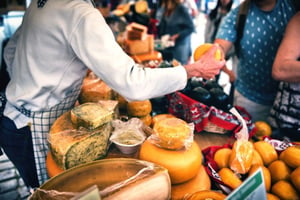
{"x":174,"y":138}
{"x":129,"y":132}
{"x":242,"y":150}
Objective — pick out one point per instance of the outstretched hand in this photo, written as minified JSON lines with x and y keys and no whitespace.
{"x":207,"y":66}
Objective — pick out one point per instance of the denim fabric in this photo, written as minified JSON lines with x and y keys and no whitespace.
{"x":17,"y":144}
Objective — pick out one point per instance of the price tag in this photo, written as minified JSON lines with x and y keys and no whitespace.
{"x":252,"y":188}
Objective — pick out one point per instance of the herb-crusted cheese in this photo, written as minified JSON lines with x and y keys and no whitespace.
{"x":90,"y":115}
{"x":73,"y":147}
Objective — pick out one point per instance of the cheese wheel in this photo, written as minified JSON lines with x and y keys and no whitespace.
{"x":182,"y":165}
{"x":139,"y":108}
{"x":160,"y":117}
{"x":173,"y":133}
{"x":52,"y":168}
{"x":200,"y":182}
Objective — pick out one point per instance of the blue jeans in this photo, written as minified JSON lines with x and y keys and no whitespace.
{"x":17,"y":144}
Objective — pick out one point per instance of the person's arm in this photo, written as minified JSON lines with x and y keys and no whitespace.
{"x":207,"y":66}
{"x":224,"y":44}
{"x":286,"y":66}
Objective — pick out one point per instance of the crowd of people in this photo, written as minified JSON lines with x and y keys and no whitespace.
{"x":77,"y":38}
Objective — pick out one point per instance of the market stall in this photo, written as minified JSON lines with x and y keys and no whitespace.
{"x":190,"y":144}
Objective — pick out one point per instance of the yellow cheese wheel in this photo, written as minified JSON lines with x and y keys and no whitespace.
{"x":139,"y":108}
{"x":173,"y":133}
{"x":52,"y":168}
{"x":159,"y":117}
{"x":182,"y":165}
{"x":147,"y":119}
{"x":200,"y":182}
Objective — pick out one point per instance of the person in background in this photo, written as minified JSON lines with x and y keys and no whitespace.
{"x":176,"y":22}
{"x":214,"y":18}
{"x":192,"y":7}
{"x":213,"y":21}
{"x":255,"y":89}
{"x":47,"y":59}
{"x":284,"y":115}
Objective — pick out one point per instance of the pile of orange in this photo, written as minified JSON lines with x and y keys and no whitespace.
{"x":281,"y":171}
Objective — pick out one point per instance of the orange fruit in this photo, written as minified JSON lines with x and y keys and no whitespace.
{"x":221,"y":157}
{"x":291,"y":156}
{"x":266,"y":151}
{"x":272,"y":197}
{"x":266,"y":174}
{"x":284,"y":190}
{"x":241,"y":157}
{"x":263,"y":129}
{"x":229,"y":178}
{"x":203,"y":48}
{"x":279,"y":171}
{"x":295,"y":178}
{"x":206,"y":194}
{"x":257,"y":160}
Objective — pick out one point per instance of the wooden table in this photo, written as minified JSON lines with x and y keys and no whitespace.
{"x":203,"y":139}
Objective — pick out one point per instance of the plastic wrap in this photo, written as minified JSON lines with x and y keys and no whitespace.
{"x":173,"y":138}
{"x":128,"y":133}
{"x":242,"y":150}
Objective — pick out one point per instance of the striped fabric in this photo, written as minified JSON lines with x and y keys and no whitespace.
{"x":40,"y":127}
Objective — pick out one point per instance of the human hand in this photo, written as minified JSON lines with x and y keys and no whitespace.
{"x":207,"y":66}
{"x":174,"y":37}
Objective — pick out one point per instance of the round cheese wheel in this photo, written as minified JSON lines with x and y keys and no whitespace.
{"x":182,"y":165}
{"x":52,"y":168}
{"x":139,"y":108}
{"x":200,"y":182}
{"x":173,"y":133}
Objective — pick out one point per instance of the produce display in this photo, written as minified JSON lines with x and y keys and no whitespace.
{"x":278,"y":160}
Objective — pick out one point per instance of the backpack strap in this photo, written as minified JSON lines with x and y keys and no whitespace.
{"x":296,"y":4}
{"x":240,"y":23}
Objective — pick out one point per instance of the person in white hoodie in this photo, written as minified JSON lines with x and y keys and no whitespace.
{"x":47,"y":59}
